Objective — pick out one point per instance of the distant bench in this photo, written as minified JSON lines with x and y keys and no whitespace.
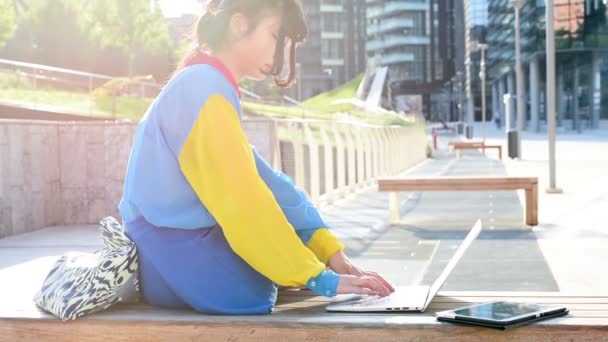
{"x":528,"y":184}
{"x":474,"y":145}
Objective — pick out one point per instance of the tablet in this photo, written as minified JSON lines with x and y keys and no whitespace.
{"x":501,"y":314}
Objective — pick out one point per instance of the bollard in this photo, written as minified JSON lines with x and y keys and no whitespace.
{"x":434,"y":139}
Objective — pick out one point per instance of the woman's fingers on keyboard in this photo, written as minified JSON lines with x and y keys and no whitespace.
{"x":381,"y":280}
{"x":364,"y":291}
{"x":357,"y":285}
{"x":375,"y":285}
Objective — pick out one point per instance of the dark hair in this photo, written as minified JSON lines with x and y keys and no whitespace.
{"x":212,"y":27}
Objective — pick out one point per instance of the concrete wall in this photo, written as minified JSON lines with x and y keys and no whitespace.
{"x":55,"y":173}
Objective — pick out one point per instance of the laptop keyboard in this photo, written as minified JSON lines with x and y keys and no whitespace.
{"x":373,"y":300}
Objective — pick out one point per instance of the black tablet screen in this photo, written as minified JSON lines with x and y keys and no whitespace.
{"x":499,"y":311}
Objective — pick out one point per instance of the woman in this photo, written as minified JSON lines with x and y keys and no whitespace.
{"x":217,"y":229}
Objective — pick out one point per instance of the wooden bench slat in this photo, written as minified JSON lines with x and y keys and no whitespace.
{"x":474,"y":145}
{"x":453,"y":143}
{"x":572,"y":306}
{"x":528,"y":184}
{"x":429,"y":187}
{"x":403,"y":329}
{"x":280,"y":315}
{"x":300,"y":315}
{"x":517,"y":294}
{"x":550,"y":300}
{"x":458,"y":180}
{"x":447,"y":295}
{"x":580,"y":303}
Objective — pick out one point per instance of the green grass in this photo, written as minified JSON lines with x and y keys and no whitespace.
{"x":323,"y":101}
{"x":21,"y":91}
{"x":289,"y":112}
{"x":320,"y":107}
{"x":126,"y":107}
{"x":77,"y":103}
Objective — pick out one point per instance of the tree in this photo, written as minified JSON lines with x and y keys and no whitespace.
{"x":7,"y":21}
{"x":132,"y":26}
{"x":51,"y":32}
{"x":58,"y":34}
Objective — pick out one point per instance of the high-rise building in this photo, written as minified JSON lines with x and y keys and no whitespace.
{"x":335,"y":50}
{"x":476,"y":21}
{"x":581,"y":41}
{"x":414,"y":39}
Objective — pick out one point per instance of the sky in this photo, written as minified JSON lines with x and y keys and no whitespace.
{"x":175,"y":8}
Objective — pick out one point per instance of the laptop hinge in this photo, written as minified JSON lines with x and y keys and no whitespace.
{"x":426,"y":300}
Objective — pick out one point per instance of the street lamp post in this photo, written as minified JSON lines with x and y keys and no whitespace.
{"x":550,"y":46}
{"x":517,"y":5}
{"x":299,"y":80}
{"x":482,"y":75}
{"x":459,"y":75}
{"x":476,"y":46}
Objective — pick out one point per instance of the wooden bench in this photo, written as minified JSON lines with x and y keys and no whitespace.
{"x":474,"y":145}
{"x":528,"y":184}
{"x":300,"y":316}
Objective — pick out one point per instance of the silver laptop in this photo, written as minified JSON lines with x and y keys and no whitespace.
{"x":406,"y":298}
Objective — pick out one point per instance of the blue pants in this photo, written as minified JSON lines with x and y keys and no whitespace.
{"x":182,"y":268}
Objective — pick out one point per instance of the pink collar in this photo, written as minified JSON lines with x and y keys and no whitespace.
{"x":203,"y":58}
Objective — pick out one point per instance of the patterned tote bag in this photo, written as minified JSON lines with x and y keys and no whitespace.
{"x":80,"y":284}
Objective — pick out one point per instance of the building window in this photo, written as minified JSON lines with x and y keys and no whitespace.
{"x":332,"y":22}
{"x":331,"y":48}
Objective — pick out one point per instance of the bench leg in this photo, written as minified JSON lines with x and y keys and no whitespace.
{"x":532,"y":205}
{"x":393,"y":208}
{"x":500,"y":152}
{"x":457,"y":153}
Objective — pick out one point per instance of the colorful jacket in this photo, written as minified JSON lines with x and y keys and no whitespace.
{"x":191,"y":167}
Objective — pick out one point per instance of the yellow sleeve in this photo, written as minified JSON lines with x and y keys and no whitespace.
{"x":217,"y":161}
{"x":324,"y":244}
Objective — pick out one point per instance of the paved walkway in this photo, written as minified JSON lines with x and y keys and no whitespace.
{"x":433,"y":225}
{"x":566,"y":252}
{"x":573,"y":233}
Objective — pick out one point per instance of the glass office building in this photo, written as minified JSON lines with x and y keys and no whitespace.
{"x":415,"y":40}
{"x":335,"y":50}
{"x":581,"y":46}
{"x":476,"y":22}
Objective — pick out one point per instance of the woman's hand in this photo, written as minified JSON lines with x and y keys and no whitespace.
{"x":364,"y":285}
{"x":340,"y":264}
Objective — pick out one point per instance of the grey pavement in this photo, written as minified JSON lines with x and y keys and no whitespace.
{"x":565,"y":252}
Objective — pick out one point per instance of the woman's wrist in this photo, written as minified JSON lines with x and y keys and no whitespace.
{"x":340,"y":263}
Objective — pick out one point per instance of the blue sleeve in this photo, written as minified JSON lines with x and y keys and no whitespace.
{"x":325,"y":284}
{"x":302,"y":214}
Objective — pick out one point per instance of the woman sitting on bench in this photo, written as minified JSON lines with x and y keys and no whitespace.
{"x":216,"y":228}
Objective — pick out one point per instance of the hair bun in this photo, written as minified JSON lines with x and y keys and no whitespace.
{"x":214,"y":6}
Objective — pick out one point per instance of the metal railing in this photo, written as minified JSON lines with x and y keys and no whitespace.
{"x":36,"y":80}
{"x":39,"y":71}
{"x":354,"y":155}
{"x":32,"y":83}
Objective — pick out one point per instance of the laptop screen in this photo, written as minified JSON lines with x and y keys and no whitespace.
{"x":473,"y":234}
